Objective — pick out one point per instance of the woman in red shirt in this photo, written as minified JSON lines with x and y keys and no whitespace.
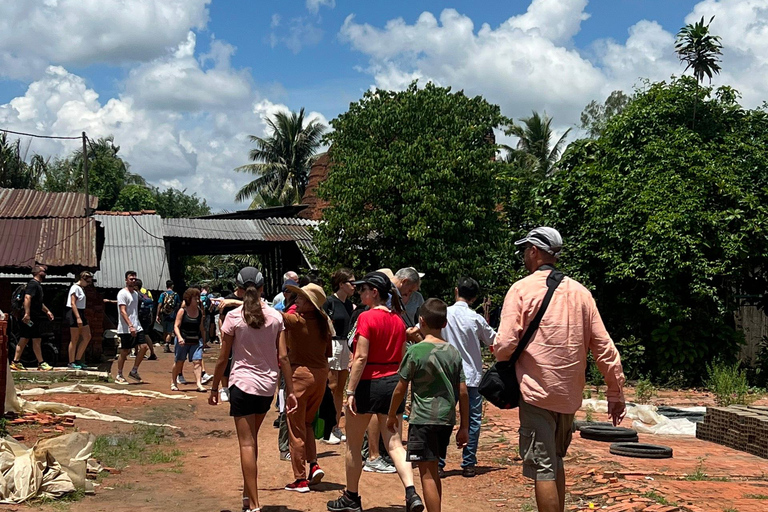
{"x":379,"y":346}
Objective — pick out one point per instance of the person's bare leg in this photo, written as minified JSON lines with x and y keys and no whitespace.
{"x":431,"y":485}
{"x":36,"y":348}
{"x":140,"y":356}
{"x":74,"y":339}
{"x":20,"y":348}
{"x":121,"y":360}
{"x":356,"y":425}
{"x":176,"y":371}
{"x":337,"y":381}
{"x":85,"y":339}
{"x":247,"y":437}
{"x":374,"y":433}
{"x":394,"y":443}
{"x":561,"y":486}
{"x":198,"y":368}
{"x":547,"y":496}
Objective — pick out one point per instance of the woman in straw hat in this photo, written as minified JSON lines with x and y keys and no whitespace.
{"x":307,"y":334}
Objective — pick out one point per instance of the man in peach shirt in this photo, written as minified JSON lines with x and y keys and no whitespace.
{"x":551,"y":369}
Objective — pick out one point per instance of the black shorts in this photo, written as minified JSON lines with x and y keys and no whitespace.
{"x":374,"y":396}
{"x":69,"y":316}
{"x":427,"y":442}
{"x":28,"y":332}
{"x":128,"y":342}
{"x":244,"y":404}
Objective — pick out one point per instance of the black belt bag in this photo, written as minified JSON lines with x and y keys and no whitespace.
{"x":499,"y":383}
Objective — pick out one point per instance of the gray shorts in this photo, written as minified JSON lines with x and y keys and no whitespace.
{"x":544,"y":440}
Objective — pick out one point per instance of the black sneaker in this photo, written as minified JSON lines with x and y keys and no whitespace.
{"x":346,"y":503}
{"x":414,"y":504}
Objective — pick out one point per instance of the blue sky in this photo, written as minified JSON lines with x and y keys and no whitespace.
{"x":181,"y":83}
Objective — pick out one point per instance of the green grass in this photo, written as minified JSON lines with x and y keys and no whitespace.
{"x":62,"y":503}
{"x":698,"y":474}
{"x":658,"y":498}
{"x":756,"y":496}
{"x":527,"y":507}
{"x":142,"y":444}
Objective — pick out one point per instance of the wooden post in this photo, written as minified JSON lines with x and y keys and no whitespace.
{"x":85,"y":175}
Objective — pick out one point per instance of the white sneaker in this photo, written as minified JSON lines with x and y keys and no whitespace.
{"x":224,"y":395}
{"x":180,"y":379}
{"x":206,"y":378}
{"x":332,"y":439}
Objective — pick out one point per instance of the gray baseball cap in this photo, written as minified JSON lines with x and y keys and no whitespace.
{"x":545,"y":238}
{"x":249,"y":275}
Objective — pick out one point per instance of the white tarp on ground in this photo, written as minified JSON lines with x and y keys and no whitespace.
{"x":51,"y":468}
{"x":647,"y":420}
{"x":81,"y":412}
{"x":103,"y":390}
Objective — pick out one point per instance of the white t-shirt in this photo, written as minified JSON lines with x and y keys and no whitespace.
{"x":131,"y":302}
{"x":79,"y":294}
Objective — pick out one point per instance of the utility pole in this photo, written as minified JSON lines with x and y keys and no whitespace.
{"x":85,"y":175}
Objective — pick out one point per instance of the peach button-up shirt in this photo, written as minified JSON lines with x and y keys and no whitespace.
{"x":551,"y":369}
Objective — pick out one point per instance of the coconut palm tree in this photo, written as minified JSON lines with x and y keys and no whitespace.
{"x":701,"y":52}
{"x":282,"y":160}
{"x":534,"y":147}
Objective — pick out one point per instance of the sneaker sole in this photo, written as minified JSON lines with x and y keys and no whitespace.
{"x":344,"y":509}
{"x":317,"y":477}
{"x":123,"y":382}
{"x":416,"y":507}
{"x":296,"y":489}
{"x":137,"y":379}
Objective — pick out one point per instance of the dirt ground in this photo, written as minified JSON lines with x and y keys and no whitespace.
{"x":196,"y":467}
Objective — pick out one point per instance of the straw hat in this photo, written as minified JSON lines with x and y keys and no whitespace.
{"x":314,"y":294}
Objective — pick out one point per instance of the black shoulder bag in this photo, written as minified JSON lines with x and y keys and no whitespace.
{"x":499,"y":383}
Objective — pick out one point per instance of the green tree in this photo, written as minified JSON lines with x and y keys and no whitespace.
{"x":668,"y":225}
{"x":534,"y":145}
{"x":134,"y":198}
{"x":282,"y":160}
{"x":595,"y":116}
{"x":15,"y":172}
{"x":413,"y":181}
{"x":701,"y":52}
{"x":172,"y":203}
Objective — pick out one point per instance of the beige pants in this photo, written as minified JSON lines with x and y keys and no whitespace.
{"x":544,"y":440}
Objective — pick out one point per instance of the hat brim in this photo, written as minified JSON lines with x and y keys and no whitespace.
{"x":362,"y":281}
{"x":522,"y":241}
{"x":298,"y":291}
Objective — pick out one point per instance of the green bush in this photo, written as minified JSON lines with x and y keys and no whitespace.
{"x":644,"y":390}
{"x":728,"y":382}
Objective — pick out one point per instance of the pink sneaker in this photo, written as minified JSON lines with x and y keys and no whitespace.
{"x":298,"y":486}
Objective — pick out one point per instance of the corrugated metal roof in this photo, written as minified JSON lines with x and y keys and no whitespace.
{"x":268,"y":230}
{"x":132,"y":242}
{"x":53,"y":242}
{"x":30,"y":204}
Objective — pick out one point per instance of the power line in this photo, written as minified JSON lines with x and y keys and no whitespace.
{"x":40,"y":136}
{"x":144,"y":230}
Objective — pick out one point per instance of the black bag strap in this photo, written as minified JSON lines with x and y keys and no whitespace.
{"x":554,"y":279}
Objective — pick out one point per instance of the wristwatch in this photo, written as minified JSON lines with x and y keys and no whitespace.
{"x":350,"y":392}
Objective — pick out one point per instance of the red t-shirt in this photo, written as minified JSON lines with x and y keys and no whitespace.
{"x":385,"y":332}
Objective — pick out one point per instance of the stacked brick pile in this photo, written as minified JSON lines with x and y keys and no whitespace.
{"x":739,"y":427}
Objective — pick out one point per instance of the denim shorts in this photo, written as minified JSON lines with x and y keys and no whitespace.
{"x":192,"y":351}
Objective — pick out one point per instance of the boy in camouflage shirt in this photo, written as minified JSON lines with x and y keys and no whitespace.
{"x":435,"y":371}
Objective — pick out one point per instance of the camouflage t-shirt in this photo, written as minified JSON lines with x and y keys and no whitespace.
{"x":435,"y":371}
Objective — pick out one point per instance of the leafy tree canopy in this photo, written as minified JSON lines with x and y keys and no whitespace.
{"x":595,"y":116}
{"x":413,"y":181}
{"x":666,"y":223}
{"x":134,"y":198}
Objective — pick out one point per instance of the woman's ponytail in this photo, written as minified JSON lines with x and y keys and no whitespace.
{"x":253,"y":314}
{"x":397,"y":302}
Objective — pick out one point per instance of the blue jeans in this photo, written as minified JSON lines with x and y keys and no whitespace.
{"x":469,"y":457}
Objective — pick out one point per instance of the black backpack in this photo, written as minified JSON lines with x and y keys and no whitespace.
{"x":17,"y":299}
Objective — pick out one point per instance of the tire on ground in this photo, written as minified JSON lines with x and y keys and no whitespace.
{"x":608,"y":434}
{"x":641,"y":450}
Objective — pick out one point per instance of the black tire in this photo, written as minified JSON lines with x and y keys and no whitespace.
{"x":608,"y":434}
{"x":579,"y":424}
{"x":641,"y":450}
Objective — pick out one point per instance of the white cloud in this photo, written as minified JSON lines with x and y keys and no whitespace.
{"x":529,"y":61}
{"x":180,"y":82}
{"x":299,"y":33}
{"x":314,"y":5}
{"x":81,"y":32}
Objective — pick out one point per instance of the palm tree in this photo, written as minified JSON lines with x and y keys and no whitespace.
{"x":701,"y":51}
{"x":534,"y":148}
{"x":282,"y":160}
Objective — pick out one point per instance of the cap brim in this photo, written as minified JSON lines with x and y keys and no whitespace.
{"x":421,"y":274}
{"x":362,"y":281}
{"x":522,"y":241}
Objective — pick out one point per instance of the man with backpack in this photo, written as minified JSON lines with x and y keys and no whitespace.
{"x":167,"y":306}
{"x":146,"y":307}
{"x":34,"y":312}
